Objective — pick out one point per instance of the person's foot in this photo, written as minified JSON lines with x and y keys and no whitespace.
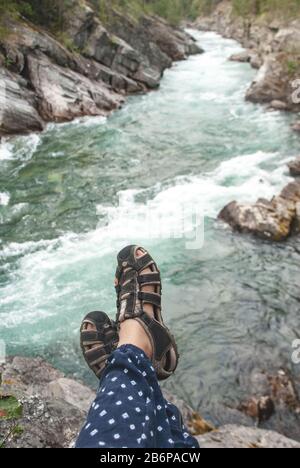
{"x":96,"y":349}
{"x":139,"y":317}
{"x":132,"y":331}
{"x":98,"y":339}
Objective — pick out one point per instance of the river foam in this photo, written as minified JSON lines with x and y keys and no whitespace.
{"x":40,"y":262}
{"x":20,"y":148}
{"x":87,"y":121}
{"x":4,"y":198}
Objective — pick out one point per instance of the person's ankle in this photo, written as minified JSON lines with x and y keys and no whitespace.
{"x":132,"y":332}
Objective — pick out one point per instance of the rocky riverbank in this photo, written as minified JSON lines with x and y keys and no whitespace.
{"x":40,"y":407}
{"x":273,"y":220}
{"x":86,"y":72}
{"x":272,"y":47}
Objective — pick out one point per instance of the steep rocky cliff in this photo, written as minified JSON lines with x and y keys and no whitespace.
{"x":273,"y":47}
{"x":88,"y":71}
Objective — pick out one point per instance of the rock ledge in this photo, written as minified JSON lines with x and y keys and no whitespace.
{"x":55,"y":407}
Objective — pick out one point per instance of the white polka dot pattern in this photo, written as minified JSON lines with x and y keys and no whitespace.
{"x":130,"y":410}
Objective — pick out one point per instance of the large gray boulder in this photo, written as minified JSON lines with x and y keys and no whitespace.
{"x":64,"y":94}
{"x":268,"y":220}
{"x":50,"y":417}
{"x":18,"y":112}
{"x":242,"y":57}
{"x":153,"y":38}
{"x":248,"y":56}
{"x":72,"y":392}
{"x":273,"y":220}
{"x":271,"y":82}
{"x":175,"y":43}
{"x":294,"y":167}
{"x":287,"y":38}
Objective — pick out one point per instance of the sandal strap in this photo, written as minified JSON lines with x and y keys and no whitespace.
{"x":161,"y":337}
{"x":149,"y":278}
{"x":128,"y":288}
{"x":93,"y":336}
{"x":146,"y":279}
{"x":96,"y":355}
{"x":141,"y":263}
{"x":129,"y":310}
{"x":128,"y":275}
{"x":145,"y":297}
{"x":138,"y":264}
{"x":150,"y":298}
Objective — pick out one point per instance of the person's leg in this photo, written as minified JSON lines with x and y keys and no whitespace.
{"x":130,"y":410}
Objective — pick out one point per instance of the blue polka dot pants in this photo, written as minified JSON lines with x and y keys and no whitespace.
{"x":130,"y":411}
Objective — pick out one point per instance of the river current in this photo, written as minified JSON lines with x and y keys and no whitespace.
{"x":67,"y":194}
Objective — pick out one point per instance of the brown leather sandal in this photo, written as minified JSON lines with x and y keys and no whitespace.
{"x":97,"y":345}
{"x":130,"y":302}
